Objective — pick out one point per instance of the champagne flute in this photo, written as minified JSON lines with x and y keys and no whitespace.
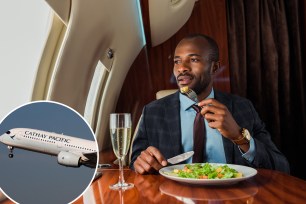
{"x":120,"y":131}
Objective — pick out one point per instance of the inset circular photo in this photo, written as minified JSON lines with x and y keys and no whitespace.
{"x":48,"y":154}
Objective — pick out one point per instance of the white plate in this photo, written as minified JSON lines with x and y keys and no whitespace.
{"x":247,"y":173}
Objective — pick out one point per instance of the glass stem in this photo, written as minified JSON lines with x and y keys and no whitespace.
{"x":121,"y":177}
{"x":121,"y":197}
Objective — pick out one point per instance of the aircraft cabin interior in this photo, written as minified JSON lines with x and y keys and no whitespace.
{"x":108,"y":56}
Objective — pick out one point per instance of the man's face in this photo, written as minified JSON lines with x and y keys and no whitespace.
{"x":191,"y":67}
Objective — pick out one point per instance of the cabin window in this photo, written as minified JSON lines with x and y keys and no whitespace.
{"x":24,"y":28}
{"x":95,"y":93}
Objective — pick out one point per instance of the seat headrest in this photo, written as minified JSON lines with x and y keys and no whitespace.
{"x":163,"y":93}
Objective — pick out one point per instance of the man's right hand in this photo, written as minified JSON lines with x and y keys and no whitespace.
{"x":149,"y":161}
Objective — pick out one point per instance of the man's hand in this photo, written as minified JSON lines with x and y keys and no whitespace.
{"x":219,"y":117}
{"x":149,"y":160}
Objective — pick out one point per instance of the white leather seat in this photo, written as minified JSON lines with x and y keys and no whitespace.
{"x":163,"y":93}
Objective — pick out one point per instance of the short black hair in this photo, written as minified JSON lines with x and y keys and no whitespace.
{"x":213,"y":55}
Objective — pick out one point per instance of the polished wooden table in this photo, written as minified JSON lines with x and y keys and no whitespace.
{"x":266,"y":187}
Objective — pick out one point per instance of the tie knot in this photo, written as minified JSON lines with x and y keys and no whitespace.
{"x":196,"y":108}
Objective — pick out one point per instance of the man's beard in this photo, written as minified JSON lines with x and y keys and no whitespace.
{"x":202,"y":83}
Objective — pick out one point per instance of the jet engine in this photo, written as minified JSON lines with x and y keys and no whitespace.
{"x":69,"y":159}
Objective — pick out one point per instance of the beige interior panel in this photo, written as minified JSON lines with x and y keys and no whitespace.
{"x":62,"y":8}
{"x":167,"y":17}
{"x":48,"y":59}
{"x":93,"y":27}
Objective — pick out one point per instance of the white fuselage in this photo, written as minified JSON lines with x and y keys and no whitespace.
{"x":46,"y":142}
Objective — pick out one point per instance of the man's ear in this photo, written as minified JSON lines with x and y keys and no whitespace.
{"x":215,"y":67}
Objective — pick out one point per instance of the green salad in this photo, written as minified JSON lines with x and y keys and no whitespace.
{"x":207,"y":171}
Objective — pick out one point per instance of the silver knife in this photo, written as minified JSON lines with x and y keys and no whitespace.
{"x":181,"y":157}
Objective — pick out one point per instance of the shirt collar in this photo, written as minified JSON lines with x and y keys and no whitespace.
{"x":186,"y":102}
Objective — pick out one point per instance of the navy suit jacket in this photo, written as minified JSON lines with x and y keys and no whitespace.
{"x":160,"y":127}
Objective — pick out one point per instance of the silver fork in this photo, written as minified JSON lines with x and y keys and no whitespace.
{"x":189,"y":93}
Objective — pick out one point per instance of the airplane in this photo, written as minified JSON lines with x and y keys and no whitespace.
{"x":70,"y":151}
{"x":100,"y":57}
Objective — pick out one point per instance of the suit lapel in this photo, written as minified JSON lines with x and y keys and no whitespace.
{"x":172,"y":115}
{"x":228,"y":145}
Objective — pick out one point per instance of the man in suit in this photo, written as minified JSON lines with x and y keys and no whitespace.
{"x":234,"y":132}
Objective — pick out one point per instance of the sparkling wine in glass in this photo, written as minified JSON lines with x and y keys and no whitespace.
{"x":120,"y":131}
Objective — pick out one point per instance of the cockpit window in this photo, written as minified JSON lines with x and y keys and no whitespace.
{"x":8,"y":132}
